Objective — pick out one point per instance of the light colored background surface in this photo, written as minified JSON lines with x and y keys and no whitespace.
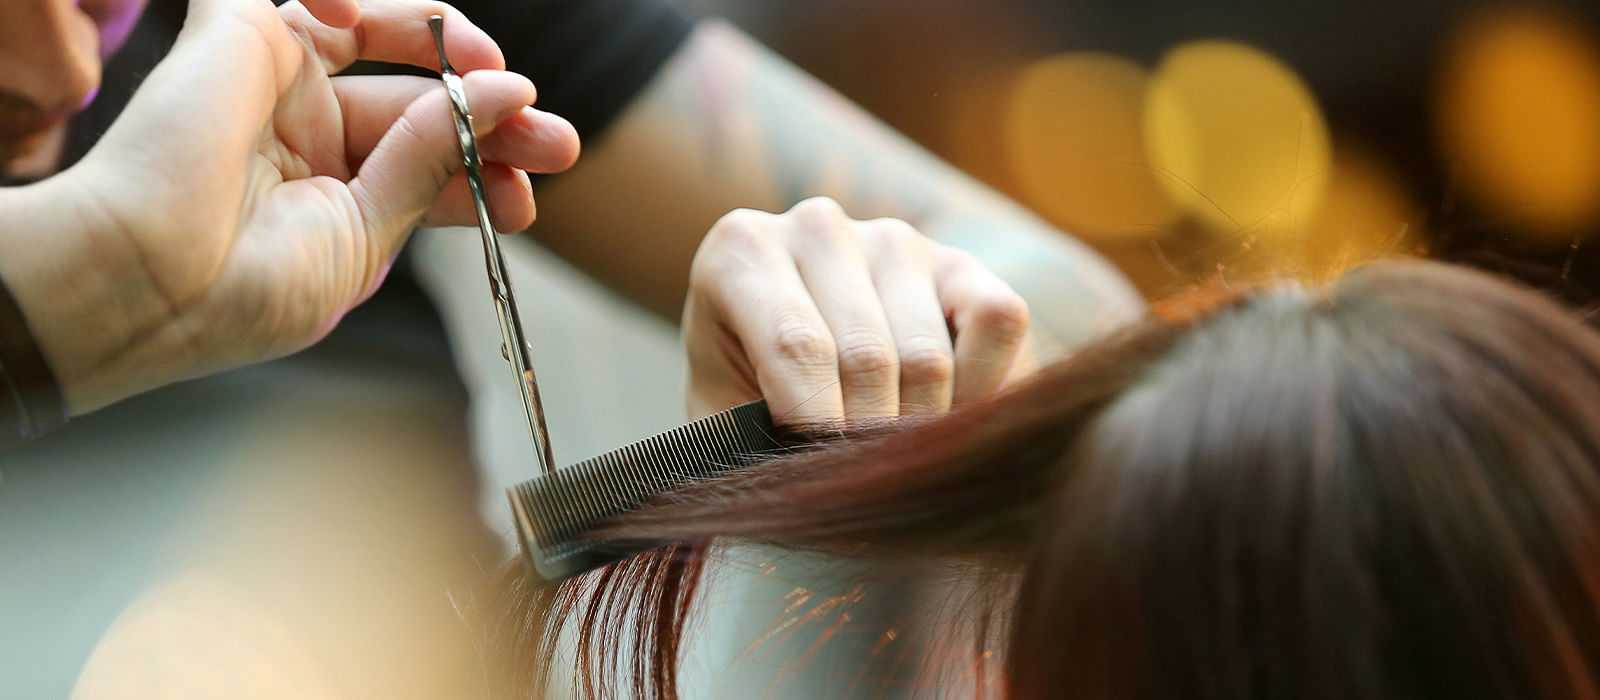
{"x":335,"y":492}
{"x":333,"y":499}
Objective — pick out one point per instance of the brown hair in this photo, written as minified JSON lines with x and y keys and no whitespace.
{"x":1387,"y":488}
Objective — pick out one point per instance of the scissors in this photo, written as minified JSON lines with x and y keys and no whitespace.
{"x":513,"y":344}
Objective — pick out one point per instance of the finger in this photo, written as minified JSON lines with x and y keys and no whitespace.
{"x":396,"y":31}
{"x":509,"y":194}
{"x":834,"y":269}
{"x":753,"y":289}
{"x":720,"y":373}
{"x":535,"y":141}
{"x":403,"y":176}
{"x":990,"y":321}
{"x":903,"y":273}
{"x":529,"y":140}
{"x":335,"y":13}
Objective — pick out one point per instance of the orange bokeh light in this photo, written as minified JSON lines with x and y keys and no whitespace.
{"x":1519,"y":119}
{"x":1075,"y":143}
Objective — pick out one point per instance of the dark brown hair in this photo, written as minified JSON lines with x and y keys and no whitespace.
{"x":1387,"y":488}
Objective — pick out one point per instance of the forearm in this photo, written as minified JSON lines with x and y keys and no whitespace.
{"x":727,"y":125}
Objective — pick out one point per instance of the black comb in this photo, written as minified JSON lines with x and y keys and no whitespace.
{"x":554,"y":510}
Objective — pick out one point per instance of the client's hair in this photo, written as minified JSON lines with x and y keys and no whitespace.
{"x":1387,"y":488}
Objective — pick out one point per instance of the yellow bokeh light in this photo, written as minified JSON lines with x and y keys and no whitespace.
{"x":1076,"y":146}
{"x":1237,"y":139}
{"x":1519,"y":119}
{"x":1366,"y":213}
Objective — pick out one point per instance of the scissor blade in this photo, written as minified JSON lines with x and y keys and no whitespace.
{"x":513,"y":343}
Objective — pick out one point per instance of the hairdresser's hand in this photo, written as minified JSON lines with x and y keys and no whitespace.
{"x":246,"y":200}
{"x":827,"y":318}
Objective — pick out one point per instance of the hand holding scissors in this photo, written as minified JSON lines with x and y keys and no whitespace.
{"x":248,"y":198}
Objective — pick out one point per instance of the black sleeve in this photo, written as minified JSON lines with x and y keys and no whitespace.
{"x":31,"y":403}
{"x":589,"y":58}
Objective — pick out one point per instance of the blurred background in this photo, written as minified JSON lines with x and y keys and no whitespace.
{"x":1207,"y":141}
{"x":323,"y":511}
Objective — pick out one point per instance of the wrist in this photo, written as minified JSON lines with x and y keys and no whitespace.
{"x":84,"y":295}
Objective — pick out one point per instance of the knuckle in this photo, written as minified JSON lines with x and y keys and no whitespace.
{"x":896,"y":240}
{"x":818,"y":206}
{"x":739,"y":231}
{"x":956,"y":258}
{"x":738,"y":238}
{"x":1002,"y":316}
{"x":927,"y":362}
{"x":897,"y":232}
{"x":740,"y":222}
{"x":819,"y":213}
{"x":802,"y":344}
{"x":866,"y":358}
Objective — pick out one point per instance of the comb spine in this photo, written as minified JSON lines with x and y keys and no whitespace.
{"x":553,"y":511}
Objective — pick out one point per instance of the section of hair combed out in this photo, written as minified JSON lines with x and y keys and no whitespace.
{"x":1387,"y":488}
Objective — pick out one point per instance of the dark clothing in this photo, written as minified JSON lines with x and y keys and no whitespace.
{"x":30,"y":399}
{"x":589,"y":59}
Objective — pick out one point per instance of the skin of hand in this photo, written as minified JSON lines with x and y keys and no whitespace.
{"x":246,"y":200}
{"x":831,"y":318}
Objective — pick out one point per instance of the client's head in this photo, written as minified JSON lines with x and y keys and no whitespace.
{"x":1386,"y":488}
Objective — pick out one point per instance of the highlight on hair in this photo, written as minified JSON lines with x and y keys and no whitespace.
{"x":1385,"y":488}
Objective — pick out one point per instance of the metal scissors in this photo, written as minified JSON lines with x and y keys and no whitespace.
{"x":513,"y":344}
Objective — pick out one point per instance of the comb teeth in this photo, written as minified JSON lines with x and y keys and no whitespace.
{"x":553,"y":510}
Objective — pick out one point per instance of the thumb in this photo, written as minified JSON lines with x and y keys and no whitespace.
{"x":399,"y":182}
